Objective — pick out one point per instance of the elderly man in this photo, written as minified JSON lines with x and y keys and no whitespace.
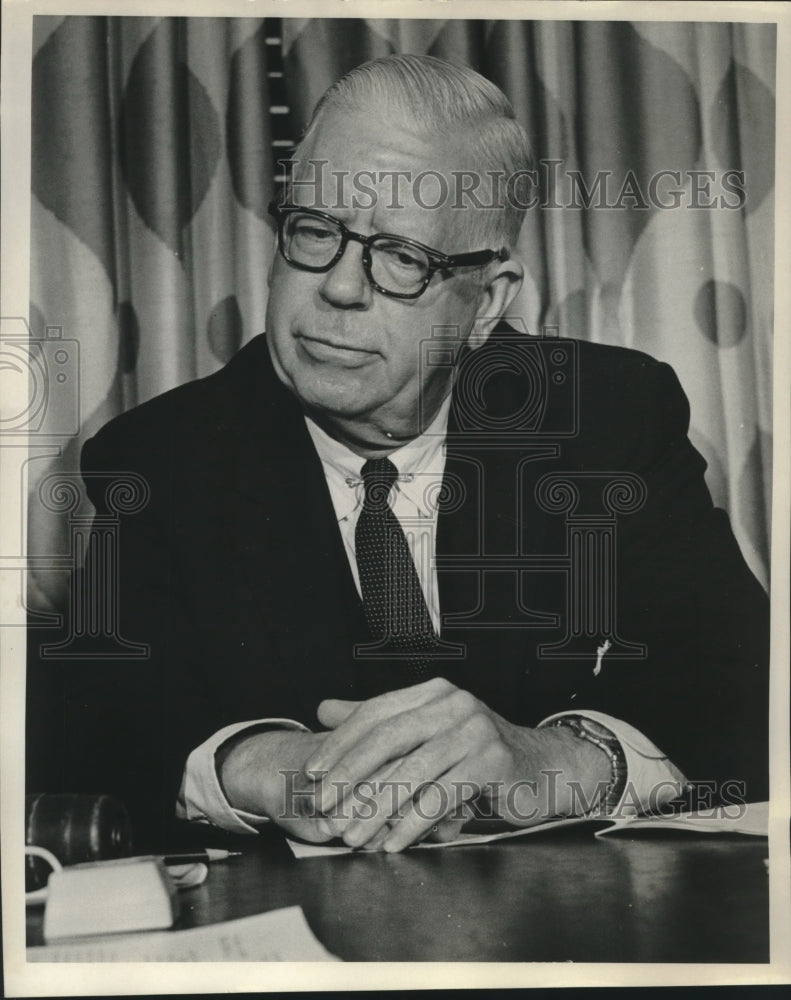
{"x":293,"y":574}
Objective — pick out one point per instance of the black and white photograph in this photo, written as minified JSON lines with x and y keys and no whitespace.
{"x":394,"y":552}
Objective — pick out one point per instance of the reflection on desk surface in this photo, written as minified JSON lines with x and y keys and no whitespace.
{"x":575,"y":898}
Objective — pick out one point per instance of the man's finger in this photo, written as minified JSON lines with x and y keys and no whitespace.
{"x":334,"y":711}
{"x":348,"y":811}
{"x":375,"y":843}
{"x":366,"y":716}
{"x":442,"y":798}
{"x":432,"y":737}
{"x":431,"y":759}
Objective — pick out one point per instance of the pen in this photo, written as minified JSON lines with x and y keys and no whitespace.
{"x":207,"y":855}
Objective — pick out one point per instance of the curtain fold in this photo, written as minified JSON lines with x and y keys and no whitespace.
{"x":155,"y":148}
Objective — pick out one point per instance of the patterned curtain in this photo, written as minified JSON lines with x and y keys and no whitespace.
{"x":155,"y":152}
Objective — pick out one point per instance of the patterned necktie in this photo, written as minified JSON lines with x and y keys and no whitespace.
{"x":392,"y":596}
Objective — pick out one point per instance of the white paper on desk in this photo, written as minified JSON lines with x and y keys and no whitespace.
{"x":301,"y":850}
{"x":751,"y":819}
{"x":277,"y":936}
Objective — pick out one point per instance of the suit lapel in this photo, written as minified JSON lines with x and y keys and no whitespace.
{"x":293,"y":562}
{"x":488,"y":504}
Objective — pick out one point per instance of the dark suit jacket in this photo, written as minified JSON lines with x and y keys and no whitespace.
{"x":236,"y":576}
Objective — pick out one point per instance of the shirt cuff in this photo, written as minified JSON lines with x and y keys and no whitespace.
{"x":652,"y":780}
{"x":201,"y":798}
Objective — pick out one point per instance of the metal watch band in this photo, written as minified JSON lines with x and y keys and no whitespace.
{"x":600,"y":736}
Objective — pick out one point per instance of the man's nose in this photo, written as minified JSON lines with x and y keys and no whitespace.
{"x":345,"y":286}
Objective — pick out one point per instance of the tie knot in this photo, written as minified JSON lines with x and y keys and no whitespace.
{"x":379,"y":475}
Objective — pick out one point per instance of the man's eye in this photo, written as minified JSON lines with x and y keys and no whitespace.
{"x":313,"y":231}
{"x":403,"y":257}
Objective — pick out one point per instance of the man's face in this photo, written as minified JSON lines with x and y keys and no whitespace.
{"x":350,"y":353}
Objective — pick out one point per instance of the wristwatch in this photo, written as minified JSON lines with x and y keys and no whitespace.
{"x":600,"y":736}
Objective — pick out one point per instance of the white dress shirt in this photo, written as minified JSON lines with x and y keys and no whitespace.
{"x":420,"y":464}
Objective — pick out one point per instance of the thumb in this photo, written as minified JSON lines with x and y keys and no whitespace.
{"x":333,"y":712}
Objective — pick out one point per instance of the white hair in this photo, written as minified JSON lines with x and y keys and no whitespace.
{"x":434,"y":98}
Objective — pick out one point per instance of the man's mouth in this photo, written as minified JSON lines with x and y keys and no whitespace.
{"x":326,"y":349}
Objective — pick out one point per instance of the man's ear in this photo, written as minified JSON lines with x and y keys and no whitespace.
{"x":502,"y":286}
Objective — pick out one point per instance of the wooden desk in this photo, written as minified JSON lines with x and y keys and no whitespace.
{"x":546,"y":898}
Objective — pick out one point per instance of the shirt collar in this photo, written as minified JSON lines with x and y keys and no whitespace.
{"x":421,"y":457}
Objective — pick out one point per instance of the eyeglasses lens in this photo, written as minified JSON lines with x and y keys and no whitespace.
{"x":313,"y":242}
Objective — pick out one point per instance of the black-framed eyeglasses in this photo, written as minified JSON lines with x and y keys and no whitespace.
{"x":394,"y":265}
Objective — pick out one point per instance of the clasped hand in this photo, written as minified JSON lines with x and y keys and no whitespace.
{"x":407,"y":765}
